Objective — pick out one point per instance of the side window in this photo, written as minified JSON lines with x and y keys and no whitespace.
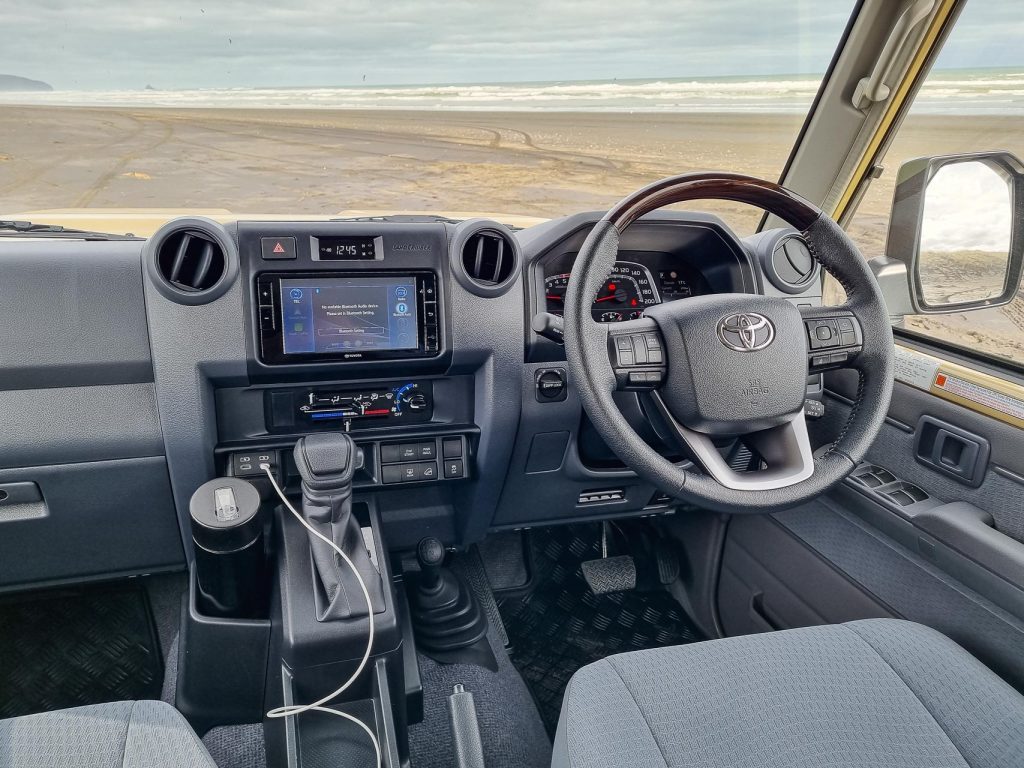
{"x":960,"y":108}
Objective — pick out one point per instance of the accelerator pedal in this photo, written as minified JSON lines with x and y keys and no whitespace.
{"x":609,"y":574}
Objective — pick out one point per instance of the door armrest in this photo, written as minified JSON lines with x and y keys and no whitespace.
{"x":970,"y":531}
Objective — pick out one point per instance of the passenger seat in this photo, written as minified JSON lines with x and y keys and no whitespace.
{"x":124,"y":734}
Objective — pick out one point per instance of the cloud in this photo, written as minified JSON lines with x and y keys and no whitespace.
{"x":110,"y":44}
{"x":103,"y":44}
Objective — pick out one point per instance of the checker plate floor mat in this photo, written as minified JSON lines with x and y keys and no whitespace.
{"x":560,"y":625}
{"x":69,"y":648}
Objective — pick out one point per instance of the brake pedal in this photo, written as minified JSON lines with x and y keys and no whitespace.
{"x":609,"y":574}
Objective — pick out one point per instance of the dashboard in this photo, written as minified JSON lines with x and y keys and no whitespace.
{"x":212,"y":346}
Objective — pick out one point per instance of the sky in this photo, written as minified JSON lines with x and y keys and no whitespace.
{"x":968,"y":207}
{"x":128,"y":44}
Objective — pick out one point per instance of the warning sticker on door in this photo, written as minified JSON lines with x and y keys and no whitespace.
{"x":981,"y":392}
{"x":915,"y":369}
{"x":990,"y":398}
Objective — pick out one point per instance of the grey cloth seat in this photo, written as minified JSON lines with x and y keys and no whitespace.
{"x":125,"y":734}
{"x":868,"y":694}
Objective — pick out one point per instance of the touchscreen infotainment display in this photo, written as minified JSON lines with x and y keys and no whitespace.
{"x":348,"y":314}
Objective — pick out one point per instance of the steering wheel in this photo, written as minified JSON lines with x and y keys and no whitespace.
{"x":712,"y":368}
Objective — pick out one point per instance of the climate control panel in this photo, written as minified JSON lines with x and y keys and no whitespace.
{"x":350,"y":409}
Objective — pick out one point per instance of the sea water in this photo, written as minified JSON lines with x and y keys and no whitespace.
{"x":980,"y":92}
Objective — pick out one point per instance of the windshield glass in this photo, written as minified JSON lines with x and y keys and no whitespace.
{"x":295,"y":107}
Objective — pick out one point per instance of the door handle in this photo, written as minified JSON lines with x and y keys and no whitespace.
{"x":953,"y":451}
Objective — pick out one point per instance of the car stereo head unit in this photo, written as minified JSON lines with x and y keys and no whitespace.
{"x":346,"y":316}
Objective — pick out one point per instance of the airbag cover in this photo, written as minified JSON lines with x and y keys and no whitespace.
{"x":737,"y":363}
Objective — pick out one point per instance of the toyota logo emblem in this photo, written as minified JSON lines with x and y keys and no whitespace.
{"x":746,"y":331}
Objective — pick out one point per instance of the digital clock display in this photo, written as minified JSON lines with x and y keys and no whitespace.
{"x":347,"y":248}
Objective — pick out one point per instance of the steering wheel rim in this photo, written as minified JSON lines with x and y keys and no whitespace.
{"x":685,"y":328}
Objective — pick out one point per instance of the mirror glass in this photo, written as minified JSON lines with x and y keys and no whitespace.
{"x":965,"y":234}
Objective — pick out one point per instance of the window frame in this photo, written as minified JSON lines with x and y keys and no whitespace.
{"x":905,"y":92}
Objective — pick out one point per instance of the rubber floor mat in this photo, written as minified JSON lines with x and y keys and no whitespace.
{"x":67,"y":648}
{"x":560,"y":625}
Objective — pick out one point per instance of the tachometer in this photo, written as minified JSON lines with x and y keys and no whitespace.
{"x":628,"y":290}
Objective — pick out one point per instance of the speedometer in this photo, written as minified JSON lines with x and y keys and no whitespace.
{"x":628,"y":290}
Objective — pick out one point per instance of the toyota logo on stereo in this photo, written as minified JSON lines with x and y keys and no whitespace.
{"x":746,"y":331}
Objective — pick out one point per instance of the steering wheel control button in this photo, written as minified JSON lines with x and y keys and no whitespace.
{"x":841,"y":334}
{"x":624,"y":351}
{"x":277,"y":247}
{"x":639,"y":350}
{"x":550,"y":386}
{"x":638,"y":359}
{"x":823,"y":334}
{"x":454,"y":469}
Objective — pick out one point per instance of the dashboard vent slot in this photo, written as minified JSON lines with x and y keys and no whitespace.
{"x":602,"y":496}
{"x":485,"y":257}
{"x":488,"y":258}
{"x":787,"y":261}
{"x":190,"y":261}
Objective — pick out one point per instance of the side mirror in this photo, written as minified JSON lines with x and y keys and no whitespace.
{"x":957,"y":226}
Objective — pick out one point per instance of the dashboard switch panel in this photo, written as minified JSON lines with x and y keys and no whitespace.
{"x":416,"y":462}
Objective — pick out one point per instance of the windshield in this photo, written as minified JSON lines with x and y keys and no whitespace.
{"x":295,"y":107}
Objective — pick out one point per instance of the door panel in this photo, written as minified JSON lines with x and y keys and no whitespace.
{"x":905,"y":538}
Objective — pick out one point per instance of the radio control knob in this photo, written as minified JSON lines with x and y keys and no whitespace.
{"x":417,"y":402}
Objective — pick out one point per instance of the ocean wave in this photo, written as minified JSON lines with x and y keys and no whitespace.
{"x":951,"y":92}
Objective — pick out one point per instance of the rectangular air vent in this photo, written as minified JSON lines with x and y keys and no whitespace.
{"x":602,"y":496}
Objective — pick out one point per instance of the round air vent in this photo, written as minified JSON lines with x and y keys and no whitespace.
{"x":788,"y":263}
{"x":191,"y":261}
{"x":486,"y":258}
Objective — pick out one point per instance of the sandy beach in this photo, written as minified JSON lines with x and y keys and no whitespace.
{"x":541,"y":164}
{"x":321,"y":162}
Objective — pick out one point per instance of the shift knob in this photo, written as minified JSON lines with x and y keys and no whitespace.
{"x":327,"y":461}
{"x":430,"y":554}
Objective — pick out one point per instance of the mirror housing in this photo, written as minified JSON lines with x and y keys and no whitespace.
{"x":904,"y":242}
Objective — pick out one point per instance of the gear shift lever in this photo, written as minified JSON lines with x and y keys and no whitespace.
{"x":327,"y":462}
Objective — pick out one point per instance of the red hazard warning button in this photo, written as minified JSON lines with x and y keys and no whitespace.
{"x":278,"y":247}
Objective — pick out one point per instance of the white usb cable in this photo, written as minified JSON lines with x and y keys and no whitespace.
{"x":318,"y":706}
